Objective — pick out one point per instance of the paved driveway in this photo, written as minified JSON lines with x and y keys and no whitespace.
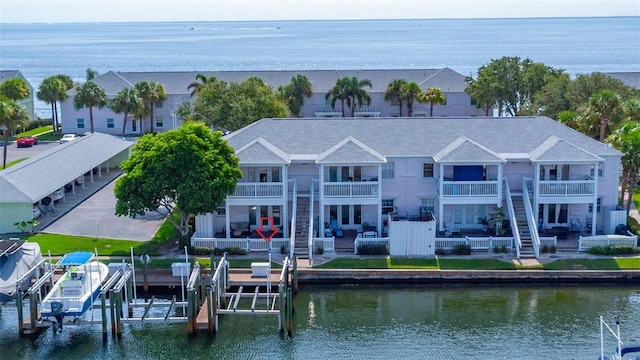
{"x":90,"y":212}
{"x":95,"y":217}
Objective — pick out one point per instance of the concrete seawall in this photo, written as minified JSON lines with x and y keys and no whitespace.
{"x":497,"y":277}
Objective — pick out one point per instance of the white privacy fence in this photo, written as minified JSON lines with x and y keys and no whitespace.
{"x":587,"y":242}
{"x":476,"y":243}
{"x":246,"y":244}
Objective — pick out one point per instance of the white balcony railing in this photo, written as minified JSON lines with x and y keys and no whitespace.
{"x":258,"y":190}
{"x":566,"y":188}
{"x":469,"y":188}
{"x":351,"y":189}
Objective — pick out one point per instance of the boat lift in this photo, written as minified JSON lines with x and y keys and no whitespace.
{"x":206,"y":299}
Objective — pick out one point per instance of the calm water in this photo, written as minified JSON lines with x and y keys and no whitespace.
{"x":579,"y":45}
{"x":373,"y":323}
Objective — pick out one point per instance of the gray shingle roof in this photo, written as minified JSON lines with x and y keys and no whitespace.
{"x":507,"y":137}
{"x":466,"y":150}
{"x":555,"y":149}
{"x":350,"y":150}
{"x":261,"y":151}
{"x":36,"y":177}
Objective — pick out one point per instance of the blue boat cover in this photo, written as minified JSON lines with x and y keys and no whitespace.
{"x":76,"y":258}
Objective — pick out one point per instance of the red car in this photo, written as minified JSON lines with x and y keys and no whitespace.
{"x":27,"y":141}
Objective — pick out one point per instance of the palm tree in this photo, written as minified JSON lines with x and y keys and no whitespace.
{"x":51,"y":91}
{"x":356,"y":95}
{"x":127,"y":101}
{"x":395,"y":92}
{"x":607,"y":105}
{"x":627,"y":140}
{"x":201,"y":81}
{"x":12,"y":117}
{"x":295,"y":92}
{"x":90,"y":95}
{"x":339,"y":92}
{"x":15,"y":89}
{"x":411,"y":92}
{"x":432,"y":96}
{"x":157,"y":94}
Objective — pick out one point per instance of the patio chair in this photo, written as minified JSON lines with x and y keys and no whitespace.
{"x":337,"y":232}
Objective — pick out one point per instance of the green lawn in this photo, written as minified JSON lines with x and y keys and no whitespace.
{"x":32,"y":132}
{"x":61,"y":244}
{"x":631,"y":263}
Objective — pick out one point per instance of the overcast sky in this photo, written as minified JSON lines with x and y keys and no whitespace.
{"x":26,"y":11}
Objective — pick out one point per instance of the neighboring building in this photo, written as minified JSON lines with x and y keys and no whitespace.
{"x":24,"y":185}
{"x":359,"y":170}
{"x":28,"y":103}
{"x":631,"y":79}
{"x":176,"y":84}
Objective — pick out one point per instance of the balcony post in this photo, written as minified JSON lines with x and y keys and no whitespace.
{"x":500,"y":184}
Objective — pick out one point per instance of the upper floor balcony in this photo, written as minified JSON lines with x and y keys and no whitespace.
{"x":461,"y":189}
{"x":566,"y":188}
{"x":252,"y":190}
{"x":351,"y":189}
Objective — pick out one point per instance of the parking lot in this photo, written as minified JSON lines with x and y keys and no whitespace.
{"x":91,"y":210}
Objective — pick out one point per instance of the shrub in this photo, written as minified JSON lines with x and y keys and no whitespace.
{"x":229,"y":251}
{"x":553,"y":249}
{"x":461,"y":249}
{"x":441,"y":252}
{"x":319,"y":250}
{"x":199,"y":250}
{"x":614,"y":250}
{"x":373,"y":249}
{"x":545,"y":249}
{"x":283,"y":249}
{"x":500,"y":250}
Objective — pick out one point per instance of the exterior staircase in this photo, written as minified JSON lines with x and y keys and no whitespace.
{"x":527,"y":250}
{"x":302,"y":228}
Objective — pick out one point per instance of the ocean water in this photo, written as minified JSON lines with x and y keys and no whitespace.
{"x":578,"y":45}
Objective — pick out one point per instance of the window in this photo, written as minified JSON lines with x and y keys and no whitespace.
{"x":600,"y":170}
{"x":474,"y":102}
{"x":80,"y":123}
{"x":387,"y":206}
{"x":388,"y":170}
{"x":427,"y":170}
{"x":429,"y":205}
{"x":159,"y":121}
{"x":221,"y":209}
{"x":159,"y":104}
{"x":110,"y":124}
{"x":598,"y":206}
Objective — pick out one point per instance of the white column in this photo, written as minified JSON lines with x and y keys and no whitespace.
{"x":321,"y":201}
{"x":440,"y":205}
{"x":379,"y":206}
{"x":227,"y":222}
{"x":595,"y":199}
{"x":500,"y":196}
{"x":284,"y":177}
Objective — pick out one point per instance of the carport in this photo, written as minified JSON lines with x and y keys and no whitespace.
{"x":38,"y":177}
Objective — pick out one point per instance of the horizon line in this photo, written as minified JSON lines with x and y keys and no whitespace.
{"x":297,"y":20}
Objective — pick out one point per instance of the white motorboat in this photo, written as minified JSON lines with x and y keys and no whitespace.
{"x":77,"y":289}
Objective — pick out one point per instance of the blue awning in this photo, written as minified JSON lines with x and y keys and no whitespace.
{"x":76,"y":258}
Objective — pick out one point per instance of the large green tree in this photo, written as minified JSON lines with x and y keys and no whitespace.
{"x":510,"y":84}
{"x":15,"y":89}
{"x":294,"y":93}
{"x":190,"y":170}
{"x":127,"y":101}
{"x":201,"y":81}
{"x":395,"y":92}
{"x":90,"y":95}
{"x":235,"y":105}
{"x":52,"y":90}
{"x":12,"y":117}
{"x":432,"y":96}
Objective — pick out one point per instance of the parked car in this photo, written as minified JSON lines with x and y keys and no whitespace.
{"x":27,"y":141}
{"x":57,"y":195}
{"x":68,"y":137}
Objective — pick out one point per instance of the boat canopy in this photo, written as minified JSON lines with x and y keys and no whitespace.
{"x":76,"y":258}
